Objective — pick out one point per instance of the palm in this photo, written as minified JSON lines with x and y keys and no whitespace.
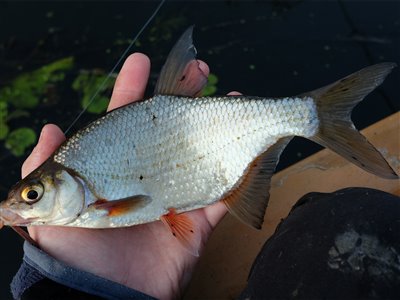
{"x":144,"y":257}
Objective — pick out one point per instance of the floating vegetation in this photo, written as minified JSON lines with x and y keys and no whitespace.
{"x":30,"y":90}
{"x":19,"y":140}
{"x":3,"y":118}
{"x":211,"y":87}
{"x":87,"y":84}
{"x":26,"y":90}
{"x":23,"y":94}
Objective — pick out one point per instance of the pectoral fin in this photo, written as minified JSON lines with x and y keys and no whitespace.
{"x":250,"y":199}
{"x":182,"y":227}
{"x":121,"y":206}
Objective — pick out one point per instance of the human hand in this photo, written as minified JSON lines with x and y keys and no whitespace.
{"x":143,"y":257}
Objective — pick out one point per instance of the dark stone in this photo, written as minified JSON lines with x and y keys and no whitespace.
{"x":342,"y":245}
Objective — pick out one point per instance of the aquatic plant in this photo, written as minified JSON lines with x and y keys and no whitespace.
{"x":23,"y":94}
{"x":211,"y":87}
{"x":26,"y":90}
{"x":20,"y":139}
{"x":87,"y":83}
{"x":30,"y":89}
{"x":3,"y":124}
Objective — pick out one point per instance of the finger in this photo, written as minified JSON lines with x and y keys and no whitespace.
{"x":214,"y":213}
{"x":204,"y":67}
{"x":50,"y":138}
{"x":234,"y":93}
{"x":131,"y":81}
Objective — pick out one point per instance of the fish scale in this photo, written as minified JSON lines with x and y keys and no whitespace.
{"x":193,"y":154}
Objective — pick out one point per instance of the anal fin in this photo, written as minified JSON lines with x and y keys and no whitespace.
{"x":249,"y":200}
{"x":182,"y":227}
{"x":121,"y":206}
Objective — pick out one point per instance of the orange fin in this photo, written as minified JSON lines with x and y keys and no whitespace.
{"x":182,"y":228}
{"x":121,"y":206}
{"x":249,"y":200}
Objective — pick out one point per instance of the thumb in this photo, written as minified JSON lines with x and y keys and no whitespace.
{"x":50,"y":138}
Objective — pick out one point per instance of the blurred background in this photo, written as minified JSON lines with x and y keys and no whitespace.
{"x":54,"y":55}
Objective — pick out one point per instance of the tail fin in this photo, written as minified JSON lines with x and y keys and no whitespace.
{"x":336,"y":130}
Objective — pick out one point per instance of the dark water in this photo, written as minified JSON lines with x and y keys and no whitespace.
{"x":265,"y":48}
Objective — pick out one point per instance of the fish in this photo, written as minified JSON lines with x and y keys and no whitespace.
{"x":179,"y":151}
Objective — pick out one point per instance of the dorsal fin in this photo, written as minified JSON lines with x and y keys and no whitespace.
{"x":181,"y":75}
{"x":250,"y":199}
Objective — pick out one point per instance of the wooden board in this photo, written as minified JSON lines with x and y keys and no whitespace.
{"x":224,"y":267}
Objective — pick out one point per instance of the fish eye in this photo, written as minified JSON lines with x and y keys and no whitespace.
{"x":32,"y":193}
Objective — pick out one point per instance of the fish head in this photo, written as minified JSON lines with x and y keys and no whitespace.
{"x":50,"y":195}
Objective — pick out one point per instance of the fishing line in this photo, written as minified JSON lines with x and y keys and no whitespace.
{"x":116,"y":65}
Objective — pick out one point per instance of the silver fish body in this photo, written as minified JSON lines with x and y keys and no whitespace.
{"x":182,"y":152}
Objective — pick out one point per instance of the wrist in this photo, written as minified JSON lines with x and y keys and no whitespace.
{"x":41,"y":270}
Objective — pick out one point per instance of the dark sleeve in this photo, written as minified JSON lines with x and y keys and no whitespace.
{"x":43,"y":277}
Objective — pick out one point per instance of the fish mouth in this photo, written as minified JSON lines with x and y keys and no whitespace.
{"x":10,"y":218}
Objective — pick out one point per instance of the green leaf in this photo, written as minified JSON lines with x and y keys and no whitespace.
{"x":3,"y":111}
{"x":50,"y":70}
{"x":24,"y":98}
{"x":19,"y":140}
{"x":3,"y":130}
{"x":27,"y":89}
{"x":210,"y":88}
{"x":3,"y":117}
{"x":25,"y":92}
{"x":212,"y":79}
{"x":98,"y":105}
{"x":87,"y":83}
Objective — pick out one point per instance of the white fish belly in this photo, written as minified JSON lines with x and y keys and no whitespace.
{"x":184,"y":153}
